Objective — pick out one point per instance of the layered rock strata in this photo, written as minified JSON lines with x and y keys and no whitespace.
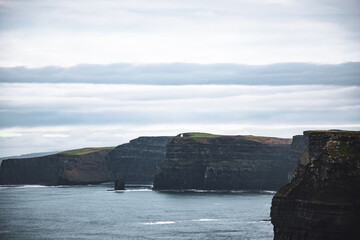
{"x":323,"y":199}
{"x":137,"y":160}
{"x":215,"y":162}
{"x":82,"y":166}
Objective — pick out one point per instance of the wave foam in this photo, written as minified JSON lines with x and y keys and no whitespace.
{"x":131,"y":190}
{"x":22,"y":186}
{"x":159,"y":223}
{"x":138,"y":190}
{"x":266,"y":191}
{"x":204,"y":220}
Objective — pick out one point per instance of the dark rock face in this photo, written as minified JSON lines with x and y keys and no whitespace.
{"x":40,"y":170}
{"x":323,"y":199}
{"x":297,"y":147}
{"x":225,"y":163}
{"x":119,"y":183}
{"x":297,"y":153}
{"x":136,"y":161}
{"x":58,"y":169}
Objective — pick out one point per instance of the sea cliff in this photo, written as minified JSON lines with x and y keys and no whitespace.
{"x":80,"y":166}
{"x":215,"y":162}
{"x":137,"y":160}
{"x":323,"y":199}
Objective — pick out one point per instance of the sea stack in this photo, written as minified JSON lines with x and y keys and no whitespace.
{"x":217,"y":162}
{"x":323,"y":199}
{"x":119,"y":182}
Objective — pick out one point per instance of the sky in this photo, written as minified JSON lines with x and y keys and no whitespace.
{"x":37,"y":33}
{"x":100,"y":73}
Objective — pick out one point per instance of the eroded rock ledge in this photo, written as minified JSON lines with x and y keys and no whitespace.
{"x":216,"y":162}
{"x":323,"y":199}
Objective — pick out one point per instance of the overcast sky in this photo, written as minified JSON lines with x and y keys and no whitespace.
{"x":99,"y":73}
{"x":65,"y":33}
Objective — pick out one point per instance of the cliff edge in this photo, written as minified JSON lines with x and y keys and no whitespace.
{"x":323,"y":199}
{"x":137,"y":160}
{"x":80,"y":166}
{"x":216,"y":162}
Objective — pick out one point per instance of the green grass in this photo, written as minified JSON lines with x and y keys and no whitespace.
{"x":209,"y":135}
{"x":204,"y":136}
{"x":83,"y":151}
{"x":201,"y":135}
{"x":342,"y":149}
{"x":339,"y":132}
{"x":304,"y":158}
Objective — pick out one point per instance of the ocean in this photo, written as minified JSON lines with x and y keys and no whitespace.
{"x":94,"y":212}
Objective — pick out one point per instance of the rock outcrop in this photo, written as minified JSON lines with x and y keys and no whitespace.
{"x":297,"y":148}
{"x":215,"y":162}
{"x":119,"y":183}
{"x":81,"y":166}
{"x":137,"y":160}
{"x":323,"y":199}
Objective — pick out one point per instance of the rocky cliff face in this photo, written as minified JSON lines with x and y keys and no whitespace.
{"x":204,"y":161}
{"x":83,"y":166}
{"x":297,"y":148}
{"x":297,"y":153}
{"x":323,"y":199}
{"x":136,"y":161}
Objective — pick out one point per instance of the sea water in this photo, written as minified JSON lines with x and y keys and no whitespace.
{"x":93,"y":212}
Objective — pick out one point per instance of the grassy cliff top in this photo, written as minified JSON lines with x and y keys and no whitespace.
{"x":268,"y":140}
{"x":83,"y":151}
{"x":335,"y":131}
{"x":203,"y":135}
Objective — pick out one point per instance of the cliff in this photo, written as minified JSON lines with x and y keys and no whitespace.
{"x":30,"y":155}
{"x":136,"y":161}
{"x":323,"y":199}
{"x":81,"y":166}
{"x":215,"y":162}
{"x":297,"y":153}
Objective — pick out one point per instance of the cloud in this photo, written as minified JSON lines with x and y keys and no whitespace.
{"x":34,"y":104}
{"x":65,"y":33}
{"x":55,"y":135}
{"x":187,"y":74}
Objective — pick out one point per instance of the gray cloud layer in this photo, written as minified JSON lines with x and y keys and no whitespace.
{"x":36,"y":117}
{"x":100,"y":104}
{"x":65,"y":33}
{"x":184,"y":74}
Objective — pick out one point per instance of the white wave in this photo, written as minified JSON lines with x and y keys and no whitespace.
{"x":21,"y":186}
{"x":252,"y":222}
{"x":217,"y":191}
{"x":159,"y":223}
{"x":139,"y":185}
{"x":32,"y":186}
{"x":131,"y":190}
{"x":138,"y":190}
{"x":195,"y":191}
{"x":238,"y":191}
{"x":266,"y":191}
{"x":258,"y":221}
{"x":204,"y":220}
